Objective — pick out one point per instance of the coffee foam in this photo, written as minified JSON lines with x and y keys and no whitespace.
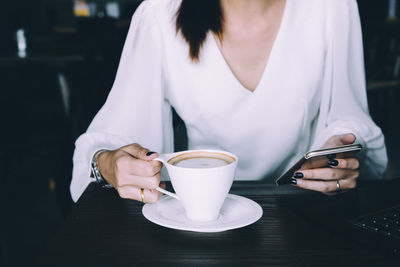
{"x":201,"y":160}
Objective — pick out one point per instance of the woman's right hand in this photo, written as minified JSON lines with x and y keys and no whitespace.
{"x":130,"y":169}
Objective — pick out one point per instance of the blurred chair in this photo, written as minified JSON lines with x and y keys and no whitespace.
{"x":382,"y":53}
{"x":36,"y":127}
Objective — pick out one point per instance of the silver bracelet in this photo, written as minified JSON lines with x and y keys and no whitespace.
{"x":95,"y":169}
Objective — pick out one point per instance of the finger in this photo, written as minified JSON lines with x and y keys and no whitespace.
{"x":342,"y":163}
{"x":133,"y":166}
{"x":333,"y":141}
{"x":327,"y":174}
{"x":130,"y":192}
{"x":163,"y":185}
{"x":326,"y":186}
{"x":345,"y":163}
{"x":145,"y":168}
{"x":315,"y":162}
{"x":152,"y":195}
{"x":148,"y":182}
{"x":347,"y":139}
{"x":140,"y":152}
{"x":133,"y":192}
{"x":339,"y":140}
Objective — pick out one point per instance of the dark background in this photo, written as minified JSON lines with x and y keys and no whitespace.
{"x":48,"y":99}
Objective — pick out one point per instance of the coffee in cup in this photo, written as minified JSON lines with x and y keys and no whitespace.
{"x":201,"y":160}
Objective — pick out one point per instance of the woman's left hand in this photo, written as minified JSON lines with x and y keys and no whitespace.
{"x":342,"y":173}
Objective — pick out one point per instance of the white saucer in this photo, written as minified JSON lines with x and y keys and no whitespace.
{"x":236,"y":212}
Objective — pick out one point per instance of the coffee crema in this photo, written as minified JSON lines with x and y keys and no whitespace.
{"x":201,"y":160}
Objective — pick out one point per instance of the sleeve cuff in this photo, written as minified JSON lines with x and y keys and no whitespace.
{"x":88,"y":145}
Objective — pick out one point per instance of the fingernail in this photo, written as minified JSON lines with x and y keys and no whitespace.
{"x":333,"y":162}
{"x":298,"y":175}
{"x":148,"y":154}
{"x":293,"y":181}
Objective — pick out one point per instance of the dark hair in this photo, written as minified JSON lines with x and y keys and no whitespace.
{"x":194,"y":19}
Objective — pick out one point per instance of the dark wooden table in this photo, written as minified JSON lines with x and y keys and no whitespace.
{"x":105,"y":230}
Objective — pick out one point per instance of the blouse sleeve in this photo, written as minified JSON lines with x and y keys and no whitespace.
{"x":344,"y":105}
{"x":136,"y":110}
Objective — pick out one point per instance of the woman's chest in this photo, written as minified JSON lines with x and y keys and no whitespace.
{"x":292,"y":80}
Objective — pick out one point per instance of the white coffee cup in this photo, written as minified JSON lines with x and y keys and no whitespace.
{"x":201,"y":180}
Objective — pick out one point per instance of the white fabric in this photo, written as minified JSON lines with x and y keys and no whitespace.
{"x":313,"y":87}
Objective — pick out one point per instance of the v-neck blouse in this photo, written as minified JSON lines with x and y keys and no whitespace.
{"x":313,"y":87}
{"x":275,"y":43}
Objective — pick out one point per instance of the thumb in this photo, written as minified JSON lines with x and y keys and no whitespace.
{"x":347,"y":139}
{"x":139,"y":152}
{"x":340,"y":140}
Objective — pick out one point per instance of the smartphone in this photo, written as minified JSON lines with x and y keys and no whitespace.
{"x":318,"y":159}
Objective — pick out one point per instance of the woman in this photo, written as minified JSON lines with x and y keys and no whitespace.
{"x":265,"y":79}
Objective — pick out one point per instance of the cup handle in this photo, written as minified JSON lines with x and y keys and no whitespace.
{"x":159,"y":189}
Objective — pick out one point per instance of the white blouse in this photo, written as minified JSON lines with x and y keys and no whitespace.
{"x":313,"y":87}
